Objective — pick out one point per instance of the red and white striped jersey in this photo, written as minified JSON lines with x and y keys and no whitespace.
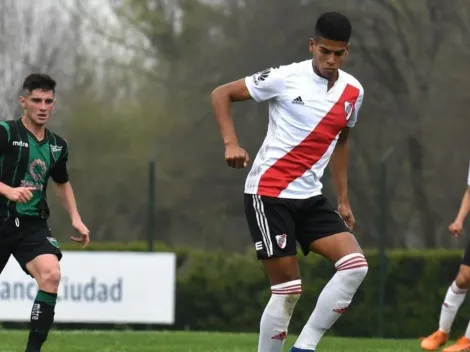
{"x":305,"y":120}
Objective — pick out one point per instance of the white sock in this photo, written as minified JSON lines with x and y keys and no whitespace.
{"x":277,"y":314}
{"x":454,"y":298}
{"x":333,"y":300}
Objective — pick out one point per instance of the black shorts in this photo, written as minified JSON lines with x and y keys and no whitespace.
{"x":466,"y":256}
{"x":277,"y":224}
{"x":25,"y":238}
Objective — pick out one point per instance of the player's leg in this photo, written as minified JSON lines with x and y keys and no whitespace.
{"x":272,"y":229}
{"x":453,"y":300}
{"x":39,"y":255}
{"x":324,"y":232}
{"x":7,"y":240}
{"x":4,"y":257}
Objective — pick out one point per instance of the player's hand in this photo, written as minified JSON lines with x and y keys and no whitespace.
{"x":20,"y":194}
{"x":346,"y":213}
{"x":456,"y":228}
{"x":84,"y":234}
{"x":236,"y":156}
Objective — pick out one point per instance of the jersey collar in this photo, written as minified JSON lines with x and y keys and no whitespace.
{"x":46,"y":133}
{"x":319,"y":79}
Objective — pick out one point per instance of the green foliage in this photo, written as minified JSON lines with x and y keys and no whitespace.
{"x":227,"y":292}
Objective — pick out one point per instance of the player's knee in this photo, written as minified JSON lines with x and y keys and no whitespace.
{"x":49,"y":277}
{"x":463,"y":277}
{"x":352,"y":269}
{"x":289,"y":293}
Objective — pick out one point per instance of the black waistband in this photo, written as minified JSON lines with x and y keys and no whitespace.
{"x":23,"y":218}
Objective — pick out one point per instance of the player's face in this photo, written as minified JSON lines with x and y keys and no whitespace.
{"x":38,"y":106}
{"x":329,"y":55}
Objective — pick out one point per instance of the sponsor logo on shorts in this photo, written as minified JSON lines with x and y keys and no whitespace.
{"x":281,"y":240}
{"x":259,"y":246}
{"x":53,"y":241}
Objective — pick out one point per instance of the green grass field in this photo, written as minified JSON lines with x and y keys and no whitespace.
{"x":124,"y":341}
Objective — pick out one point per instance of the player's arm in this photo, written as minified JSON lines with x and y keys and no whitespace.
{"x":457,"y":226}
{"x":339,"y":167}
{"x":64,"y":192}
{"x":4,"y":139}
{"x":339,"y":164}
{"x":18,"y":194}
{"x":340,"y":157}
{"x":261,"y":86}
{"x":63,"y":188}
{"x":222,"y":98}
{"x":464,"y":206}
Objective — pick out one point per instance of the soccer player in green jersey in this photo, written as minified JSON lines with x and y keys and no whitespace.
{"x":29,"y":155}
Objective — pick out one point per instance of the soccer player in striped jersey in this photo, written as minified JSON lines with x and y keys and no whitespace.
{"x":313,"y":104}
{"x":456,"y":292}
{"x":30,"y":154}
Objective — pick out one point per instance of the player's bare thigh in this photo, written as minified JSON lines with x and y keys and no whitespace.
{"x":282,"y":269}
{"x":463,"y":277}
{"x":336,"y":246}
{"x":45,"y":269}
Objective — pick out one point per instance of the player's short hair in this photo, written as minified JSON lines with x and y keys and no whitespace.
{"x":39,"y":81}
{"x":333,"y":26}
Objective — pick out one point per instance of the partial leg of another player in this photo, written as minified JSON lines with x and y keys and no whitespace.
{"x":343,"y":250}
{"x":453,"y":300}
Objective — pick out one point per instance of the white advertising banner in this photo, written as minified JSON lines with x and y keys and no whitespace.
{"x":99,"y":287}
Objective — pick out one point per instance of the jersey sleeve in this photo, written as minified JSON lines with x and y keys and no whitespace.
{"x":353,"y":119}
{"x":4,"y":137}
{"x":267,"y":84}
{"x":59,"y":172}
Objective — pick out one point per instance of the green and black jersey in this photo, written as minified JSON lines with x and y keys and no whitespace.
{"x":27,"y":162}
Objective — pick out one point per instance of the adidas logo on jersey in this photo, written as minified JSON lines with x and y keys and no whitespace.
{"x":20,"y":144}
{"x":298,"y":100}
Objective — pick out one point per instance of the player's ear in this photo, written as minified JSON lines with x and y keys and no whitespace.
{"x":346,"y":53}
{"x":23,"y":102}
{"x":311,"y":45}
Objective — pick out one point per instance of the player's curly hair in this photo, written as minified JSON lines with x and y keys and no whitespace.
{"x":333,"y":26}
{"x":39,"y":81}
